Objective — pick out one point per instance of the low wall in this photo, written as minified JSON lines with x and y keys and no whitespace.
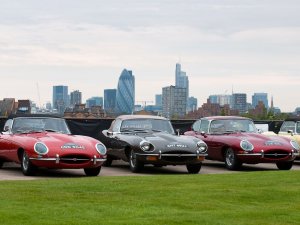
{"x":94,"y":127}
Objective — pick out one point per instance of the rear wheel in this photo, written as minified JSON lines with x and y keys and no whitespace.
{"x":193,"y":168}
{"x":28,"y":168}
{"x":136,"y":166}
{"x":231,"y":160}
{"x":284,"y":165}
{"x":92,"y":172}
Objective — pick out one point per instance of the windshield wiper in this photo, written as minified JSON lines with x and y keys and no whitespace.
{"x":230,"y":131}
{"x":29,"y":131}
{"x":242,"y":131}
{"x":134,"y":130}
{"x":51,"y":130}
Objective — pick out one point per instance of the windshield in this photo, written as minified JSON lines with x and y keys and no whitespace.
{"x":27,"y":125}
{"x":147,"y":125}
{"x":230,"y":126}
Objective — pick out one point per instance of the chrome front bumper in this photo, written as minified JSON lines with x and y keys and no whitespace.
{"x":160,"y":154}
{"x":57,"y":159}
{"x":263,"y":154}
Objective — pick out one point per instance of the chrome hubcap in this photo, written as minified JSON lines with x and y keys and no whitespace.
{"x":25,"y":161}
{"x":132,"y":159}
{"x":229,"y":157}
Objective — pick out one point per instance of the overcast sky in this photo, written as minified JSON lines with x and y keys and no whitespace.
{"x":246,"y":46}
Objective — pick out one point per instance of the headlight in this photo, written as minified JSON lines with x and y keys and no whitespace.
{"x":145,"y":146}
{"x":101,"y":149}
{"x":202,"y":146}
{"x":295,"y":145}
{"x":40,"y":148}
{"x":246,"y":145}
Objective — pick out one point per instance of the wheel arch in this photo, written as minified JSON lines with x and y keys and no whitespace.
{"x":20,"y":153}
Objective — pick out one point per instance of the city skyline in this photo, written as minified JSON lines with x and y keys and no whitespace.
{"x":222,"y":45}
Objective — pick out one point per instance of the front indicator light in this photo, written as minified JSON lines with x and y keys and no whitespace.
{"x":152,"y":158}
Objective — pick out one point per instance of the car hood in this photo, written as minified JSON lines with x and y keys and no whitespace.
{"x":259,"y":139}
{"x":58,"y":140}
{"x":163,"y":140}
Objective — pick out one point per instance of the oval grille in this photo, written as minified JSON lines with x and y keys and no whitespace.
{"x":74,"y":159}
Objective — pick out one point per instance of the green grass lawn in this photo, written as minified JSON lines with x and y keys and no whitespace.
{"x":270,"y":197}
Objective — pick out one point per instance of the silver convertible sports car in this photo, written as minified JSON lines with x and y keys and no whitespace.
{"x":143,"y":140}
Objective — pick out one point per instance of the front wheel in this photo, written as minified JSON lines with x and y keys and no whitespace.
{"x":231,"y":160}
{"x":284,"y":165}
{"x":136,"y":166}
{"x":28,"y":168}
{"x":193,"y":168}
{"x":92,"y":172}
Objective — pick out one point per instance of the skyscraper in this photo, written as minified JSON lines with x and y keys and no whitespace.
{"x":182,"y":80}
{"x":239,"y":102}
{"x":125,"y":93}
{"x":75,"y":98}
{"x":174,"y":101}
{"x":220,"y":99}
{"x":110,"y":100}
{"x":158,"y":100}
{"x":257,"y":97}
{"x":192,"y":104}
{"x":60,"y":100}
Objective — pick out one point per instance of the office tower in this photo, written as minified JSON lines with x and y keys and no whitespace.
{"x":220,"y":99}
{"x":125,"y":93}
{"x":158,"y":100}
{"x":260,"y":97}
{"x":75,"y":98}
{"x":60,"y":100}
{"x":192,"y":104}
{"x":94,"y":101}
{"x":174,"y":101}
{"x":239,"y":102}
{"x":181,"y":80}
{"x":110,"y":100}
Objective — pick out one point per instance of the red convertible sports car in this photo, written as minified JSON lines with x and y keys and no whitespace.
{"x":235,"y":141}
{"x":47,"y":142}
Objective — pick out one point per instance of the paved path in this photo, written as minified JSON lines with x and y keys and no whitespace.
{"x":11,"y":171}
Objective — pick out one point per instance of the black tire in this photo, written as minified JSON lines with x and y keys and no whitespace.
{"x":136,"y":166}
{"x":284,"y":165}
{"x":28,"y":168}
{"x":92,"y":172}
{"x":108,"y":162}
{"x":231,"y":160}
{"x":1,"y":164}
{"x":193,"y":168}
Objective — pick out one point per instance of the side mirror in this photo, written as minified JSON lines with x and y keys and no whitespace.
{"x":259,"y":131}
{"x":291,"y":132}
{"x":107,"y":133}
{"x":202,"y":133}
{"x":178,"y":132}
{"x":6,"y":128}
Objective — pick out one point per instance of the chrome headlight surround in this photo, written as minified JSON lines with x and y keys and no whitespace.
{"x":202,"y":146}
{"x":146,"y":146}
{"x":40,"y":148}
{"x":295,"y":145}
{"x":246,"y":145}
{"x":101,"y":149}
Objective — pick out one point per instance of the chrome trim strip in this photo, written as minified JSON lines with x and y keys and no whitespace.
{"x":67,"y":159}
{"x":161,"y":154}
{"x":263,"y":154}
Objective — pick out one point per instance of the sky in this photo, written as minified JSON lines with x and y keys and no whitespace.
{"x":224,"y":46}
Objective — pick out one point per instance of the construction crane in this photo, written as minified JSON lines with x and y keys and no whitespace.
{"x":144,"y":103}
{"x":38,"y":92}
